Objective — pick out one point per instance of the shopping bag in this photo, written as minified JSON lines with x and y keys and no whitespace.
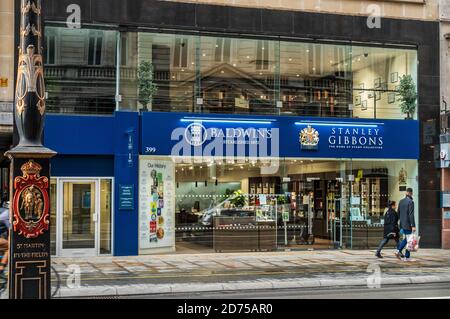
{"x":412,"y":242}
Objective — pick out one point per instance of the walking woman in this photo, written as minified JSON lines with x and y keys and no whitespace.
{"x":391,"y":230}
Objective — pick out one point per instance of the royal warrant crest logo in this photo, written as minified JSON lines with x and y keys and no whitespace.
{"x":309,"y":138}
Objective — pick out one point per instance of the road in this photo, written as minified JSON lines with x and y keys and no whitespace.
{"x":428,"y":291}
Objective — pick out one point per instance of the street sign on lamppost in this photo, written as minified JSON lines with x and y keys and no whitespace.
{"x":29,"y":253}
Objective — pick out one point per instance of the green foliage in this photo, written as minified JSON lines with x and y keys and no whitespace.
{"x":281,"y":199}
{"x":238,"y":199}
{"x":146,"y":86}
{"x":408,"y":95}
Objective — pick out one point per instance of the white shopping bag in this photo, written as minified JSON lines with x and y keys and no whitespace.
{"x":412,"y":242}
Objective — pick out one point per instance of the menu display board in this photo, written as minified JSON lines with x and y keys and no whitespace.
{"x":156,"y":203}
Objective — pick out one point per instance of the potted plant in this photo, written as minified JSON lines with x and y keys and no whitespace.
{"x":408,"y":96}
{"x":238,"y":199}
{"x":146,"y":86}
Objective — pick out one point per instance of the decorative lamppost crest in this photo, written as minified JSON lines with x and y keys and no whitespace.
{"x":29,"y":265}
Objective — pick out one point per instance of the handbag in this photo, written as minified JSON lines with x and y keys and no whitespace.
{"x":412,"y":242}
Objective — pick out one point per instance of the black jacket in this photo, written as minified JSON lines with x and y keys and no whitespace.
{"x":406,"y":213}
{"x":390,"y":222}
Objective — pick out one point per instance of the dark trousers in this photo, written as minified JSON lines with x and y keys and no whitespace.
{"x":384,"y":241}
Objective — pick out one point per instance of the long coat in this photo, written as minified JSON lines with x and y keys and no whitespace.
{"x":406,"y":213}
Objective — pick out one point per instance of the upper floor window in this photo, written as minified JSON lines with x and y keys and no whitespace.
{"x":180,"y":55}
{"x":262,"y":55}
{"x":223,"y":50}
{"x":95,"y":48}
{"x":50,"y":52}
{"x":124,"y":51}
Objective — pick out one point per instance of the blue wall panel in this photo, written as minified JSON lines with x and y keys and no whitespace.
{"x":126,"y":166}
{"x":82,"y":166}
{"x":84,"y":135}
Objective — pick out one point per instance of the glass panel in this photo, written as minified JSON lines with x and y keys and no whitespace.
{"x":237,"y":75}
{"x":168,"y":72}
{"x":79,"y":210}
{"x":53,"y":223}
{"x":105,"y":216}
{"x":307,"y":203}
{"x":377,"y":73}
{"x":245,"y":76}
{"x":83,"y":77}
{"x":315,"y":79}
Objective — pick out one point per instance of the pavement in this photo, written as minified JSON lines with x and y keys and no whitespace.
{"x":191,"y":273}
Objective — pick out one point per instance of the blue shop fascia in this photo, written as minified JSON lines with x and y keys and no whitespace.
{"x":114,"y":178}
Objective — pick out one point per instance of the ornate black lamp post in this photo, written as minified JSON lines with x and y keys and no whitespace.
{"x":29,"y":275}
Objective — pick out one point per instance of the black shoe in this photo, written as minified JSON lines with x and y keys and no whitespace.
{"x":401,"y":255}
{"x":378,"y":255}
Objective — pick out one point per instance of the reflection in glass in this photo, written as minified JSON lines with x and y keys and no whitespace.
{"x":223,"y":75}
{"x":80,"y":70}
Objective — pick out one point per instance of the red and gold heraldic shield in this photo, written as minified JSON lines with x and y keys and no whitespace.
{"x":31,"y":202}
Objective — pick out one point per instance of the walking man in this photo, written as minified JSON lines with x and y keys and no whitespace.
{"x":407,"y":222}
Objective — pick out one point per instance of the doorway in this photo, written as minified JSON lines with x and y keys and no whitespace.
{"x":84,"y":217}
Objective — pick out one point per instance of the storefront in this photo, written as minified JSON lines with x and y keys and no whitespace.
{"x":188,"y":182}
{"x":267,"y":183}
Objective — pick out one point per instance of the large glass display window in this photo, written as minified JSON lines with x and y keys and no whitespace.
{"x":222,"y":206}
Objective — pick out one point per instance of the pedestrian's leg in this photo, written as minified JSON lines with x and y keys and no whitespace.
{"x":402,"y":244}
{"x":407,"y":254}
{"x":383,"y":242}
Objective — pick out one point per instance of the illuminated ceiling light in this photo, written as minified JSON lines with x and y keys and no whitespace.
{"x":298,"y":75}
{"x":341,"y":124}
{"x":248,"y":57}
{"x":234,"y":64}
{"x":290,"y":59}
